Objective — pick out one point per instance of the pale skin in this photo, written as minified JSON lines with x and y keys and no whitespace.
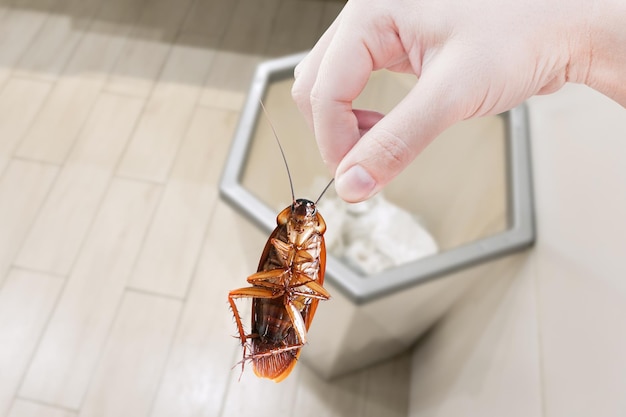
{"x":472,"y":58}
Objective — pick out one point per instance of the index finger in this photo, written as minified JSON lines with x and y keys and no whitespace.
{"x":343,"y":74}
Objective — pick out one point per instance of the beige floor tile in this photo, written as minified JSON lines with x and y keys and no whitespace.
{"x":77,"y":93}
{"x":203,"y":153}
{"x":204,"y":351}
{"x":136,"y":73}
{"x":55,"y":238}
{"x":169,"y":110}
{"x":331,"y":11}
{"x":43,"y":5}
{"x":5,"y":7}
{"x":20,"y":100}
{"x":26,"y":300}
{"x":17,"y":29}
{"x":244,"y":46}
{"x":74,"y":95}
{"x":341,"y":397}
{"x":208,"y":17}
{"x":250,"y":26}
{"x":147,"y":50}
{"x":296,"y":24}
{"x":289,"y":38}
{"x":100,"y":48}
{"x":276,"y":50}
{"x":57,"y":39}
{"x":171,"y":248}
{"x":377,"y":391}
{"x":130,"y":368}
{"x":229,"y":80}
{"x":263,"y":398}
{"x":67,"y":356}
{"x":391,"y":397}
{"x":23,"y":188}
{"x":483,"y":359}
{"x":25,"y":408}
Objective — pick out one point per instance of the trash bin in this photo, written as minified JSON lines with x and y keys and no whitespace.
{"x":471,"y":189}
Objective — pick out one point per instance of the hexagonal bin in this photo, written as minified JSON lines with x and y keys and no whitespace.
{"x":471,"y":189}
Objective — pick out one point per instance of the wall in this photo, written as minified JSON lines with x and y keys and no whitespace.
{"x":546,"y":338}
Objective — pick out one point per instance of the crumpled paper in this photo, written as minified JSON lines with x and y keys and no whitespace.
{"x":374,"y":235}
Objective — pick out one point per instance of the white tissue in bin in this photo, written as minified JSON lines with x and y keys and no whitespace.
{"x":374,"y":235}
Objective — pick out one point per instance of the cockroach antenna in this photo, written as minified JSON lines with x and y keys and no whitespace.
{"x":267,"y":116}
{"x":324,"y":191}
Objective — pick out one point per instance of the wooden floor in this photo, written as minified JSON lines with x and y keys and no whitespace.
{"x":116,"y":253}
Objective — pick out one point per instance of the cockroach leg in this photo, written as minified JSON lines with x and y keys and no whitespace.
{"x":268,"y":279}
{"x":297,"y":320}
{"x":319,"y":291}
{"x":283,"y":249}
{"x":247,"y":292}
{"x":275,"y":351}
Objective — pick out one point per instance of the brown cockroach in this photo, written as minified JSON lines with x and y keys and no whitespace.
{"x":286,"y":288}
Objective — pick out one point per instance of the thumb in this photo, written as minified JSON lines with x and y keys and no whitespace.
{"x":390,"y":145}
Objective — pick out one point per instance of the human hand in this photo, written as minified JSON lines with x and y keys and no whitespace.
{"x":472,"y":58}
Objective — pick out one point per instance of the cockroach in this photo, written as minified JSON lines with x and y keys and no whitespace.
{"x":285,"y":289}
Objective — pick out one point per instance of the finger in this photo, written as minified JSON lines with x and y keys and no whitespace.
{"x":306,"y":71}
{"x":435,"y":103}
{"x":366,"y":119}
{"x":343,"y":73}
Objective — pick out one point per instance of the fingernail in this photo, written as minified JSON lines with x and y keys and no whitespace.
{"x":354,"y":185}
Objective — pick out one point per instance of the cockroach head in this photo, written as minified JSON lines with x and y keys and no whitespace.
{"x":302,"y":209}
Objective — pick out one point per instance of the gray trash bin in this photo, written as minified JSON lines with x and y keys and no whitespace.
{"x":471,"y":188}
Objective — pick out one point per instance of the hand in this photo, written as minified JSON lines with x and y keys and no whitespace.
{"x":472,"y":58}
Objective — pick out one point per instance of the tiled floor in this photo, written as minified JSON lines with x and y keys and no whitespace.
{"x":117,"y":254}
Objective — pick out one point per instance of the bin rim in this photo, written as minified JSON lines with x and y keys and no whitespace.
{"x":519,"y":234}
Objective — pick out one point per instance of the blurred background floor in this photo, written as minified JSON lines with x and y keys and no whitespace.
{"x":116,"y":253}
